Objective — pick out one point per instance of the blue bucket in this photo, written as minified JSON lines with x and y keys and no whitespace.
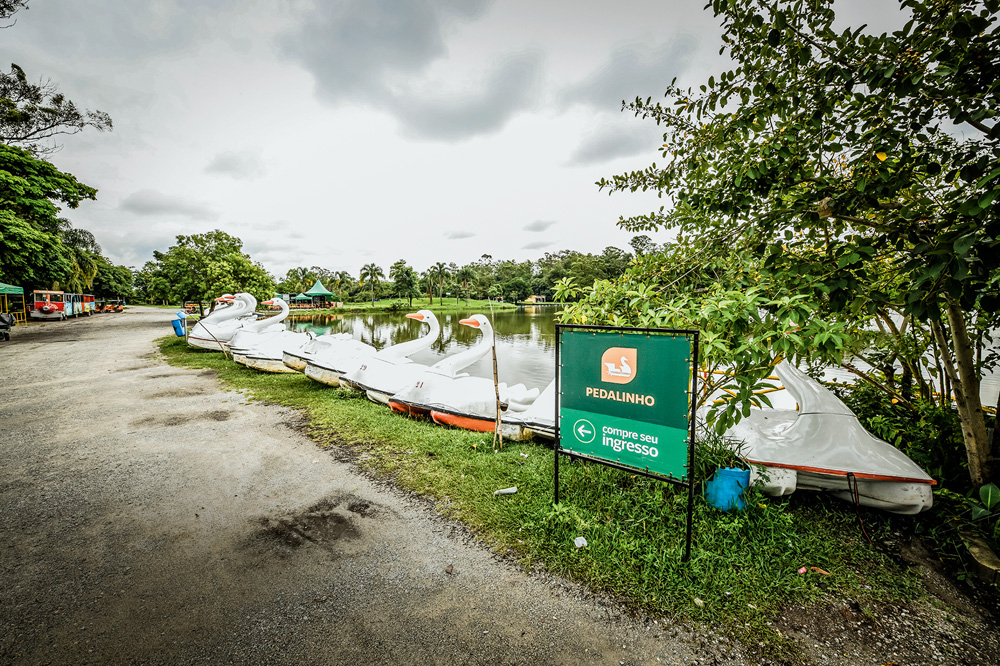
{"x":725,"y":490}
{"x":178,"y":327}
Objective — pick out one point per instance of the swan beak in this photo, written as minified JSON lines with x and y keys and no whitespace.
{"x":469,"y":322}
{"x":416,"y":315}
{"x":271,"y":302}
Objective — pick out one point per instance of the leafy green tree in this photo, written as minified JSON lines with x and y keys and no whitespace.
{"x":32,"y":251}
{"x":31,"y":114}
{"x":614,"y":261}
{"x":202,"y":266}
{"x":405,"y":281}
{"x":297,"y":280}
{"x":113,"y":281}
{"x":371,"y":274}
{"x":643,"y":244}
{"x":830,"y":155}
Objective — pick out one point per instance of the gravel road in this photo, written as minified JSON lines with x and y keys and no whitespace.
{"x":150,"y":517}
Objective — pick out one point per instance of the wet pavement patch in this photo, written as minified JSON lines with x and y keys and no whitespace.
{"x":325,"y":524}
{"x":167,"y":420}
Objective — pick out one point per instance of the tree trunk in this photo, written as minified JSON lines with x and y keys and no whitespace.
{"x":965,"y":385}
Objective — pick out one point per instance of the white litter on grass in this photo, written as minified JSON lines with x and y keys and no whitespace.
{"x":524,"y":455}
{"x":699,"y":603}
{"x":506,"y":491}
{"x":579,"y":542}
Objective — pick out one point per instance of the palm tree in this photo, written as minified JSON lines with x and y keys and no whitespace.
{"x":440,"y":271}
{"x":371,"y":273}
{"x":301,"y":278}
{"x":464,"y":275}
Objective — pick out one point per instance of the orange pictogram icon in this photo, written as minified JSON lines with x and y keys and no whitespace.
{"x":619,"y":365}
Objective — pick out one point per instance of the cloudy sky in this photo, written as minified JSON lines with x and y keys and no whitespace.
{"x":341,"y":132}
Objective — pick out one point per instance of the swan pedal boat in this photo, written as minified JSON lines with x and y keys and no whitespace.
{"x":329,"y":366}
{"x":297,"y":359}
{"x":822,"y":446}
{"x":427,"y":385}
{"x":388,"y":371}
{"x":458,"y":400}
{"x":539,"y":419}
{"x":262,"y":344}
{"x":214,"y":331}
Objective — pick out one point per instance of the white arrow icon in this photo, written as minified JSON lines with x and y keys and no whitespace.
{"x":584,"y":431}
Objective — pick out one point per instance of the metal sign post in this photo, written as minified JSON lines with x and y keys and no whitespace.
{"x":625,"y":399}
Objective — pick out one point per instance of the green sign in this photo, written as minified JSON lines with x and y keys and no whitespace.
{"x":624,"y":398}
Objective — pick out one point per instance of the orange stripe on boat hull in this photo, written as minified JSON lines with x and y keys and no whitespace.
{"x":474,"y":423}
{"x":411,"y":410}
{"x":837,"y":472}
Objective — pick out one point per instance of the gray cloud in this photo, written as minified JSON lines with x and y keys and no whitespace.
{"x":361,"y":50}
{"x":351,"y":46}
{"x":511,"y":87}
{"x":241,"y":165}
{"x":458,"y":235}
{"x":632,"y":71}
{"x":132,"y":30}
{"x":536,"y":245}
{"x":153,"y":203}
{"x":612,"y":141}
{"x":538,"y":225}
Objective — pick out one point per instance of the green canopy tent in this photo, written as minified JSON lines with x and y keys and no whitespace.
{"x":319,"y":292}
{"x":8,"y":290}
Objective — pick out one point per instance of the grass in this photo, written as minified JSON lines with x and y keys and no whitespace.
{"x":744,"y":566}
{"x":404,"y":305}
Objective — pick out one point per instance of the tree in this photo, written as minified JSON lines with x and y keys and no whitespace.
{"x":10,"y":7}
{"x":32,"y":248}
{"x":371,"y":274}
{"x":32,"y":114}
{"x":643,"y":244}
{"x":465,"y":275}
{"x":113,"y":281}
{"x":202,"y":266}
{"x":830,"y":155}
{"x":405,"y":281}
{"x":615,"y":261}
{"x":439,"y":271}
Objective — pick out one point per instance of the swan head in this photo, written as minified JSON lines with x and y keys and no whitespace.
{"x":225,"y":298}
{"x":425,"y":316}
{"x":478,"y":321}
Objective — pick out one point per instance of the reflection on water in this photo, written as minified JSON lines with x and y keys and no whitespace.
{"x":525,"y":343}
{"x":525,"y":339}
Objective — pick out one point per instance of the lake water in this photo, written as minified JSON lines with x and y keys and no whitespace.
{"x":525,"y":343}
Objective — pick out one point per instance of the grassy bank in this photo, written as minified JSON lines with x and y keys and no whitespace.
{"x":403,"y":305}
{"x":744,"y":566}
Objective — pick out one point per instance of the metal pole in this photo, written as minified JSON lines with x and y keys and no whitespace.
{"x":558,"y":440}
{"x":691,"y":425}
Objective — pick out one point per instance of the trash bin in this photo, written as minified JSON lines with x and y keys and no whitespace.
{"x":725,"y":490}
{"x":179,"y":328}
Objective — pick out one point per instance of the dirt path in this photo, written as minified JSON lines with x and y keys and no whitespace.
{"x":150,"y":517}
